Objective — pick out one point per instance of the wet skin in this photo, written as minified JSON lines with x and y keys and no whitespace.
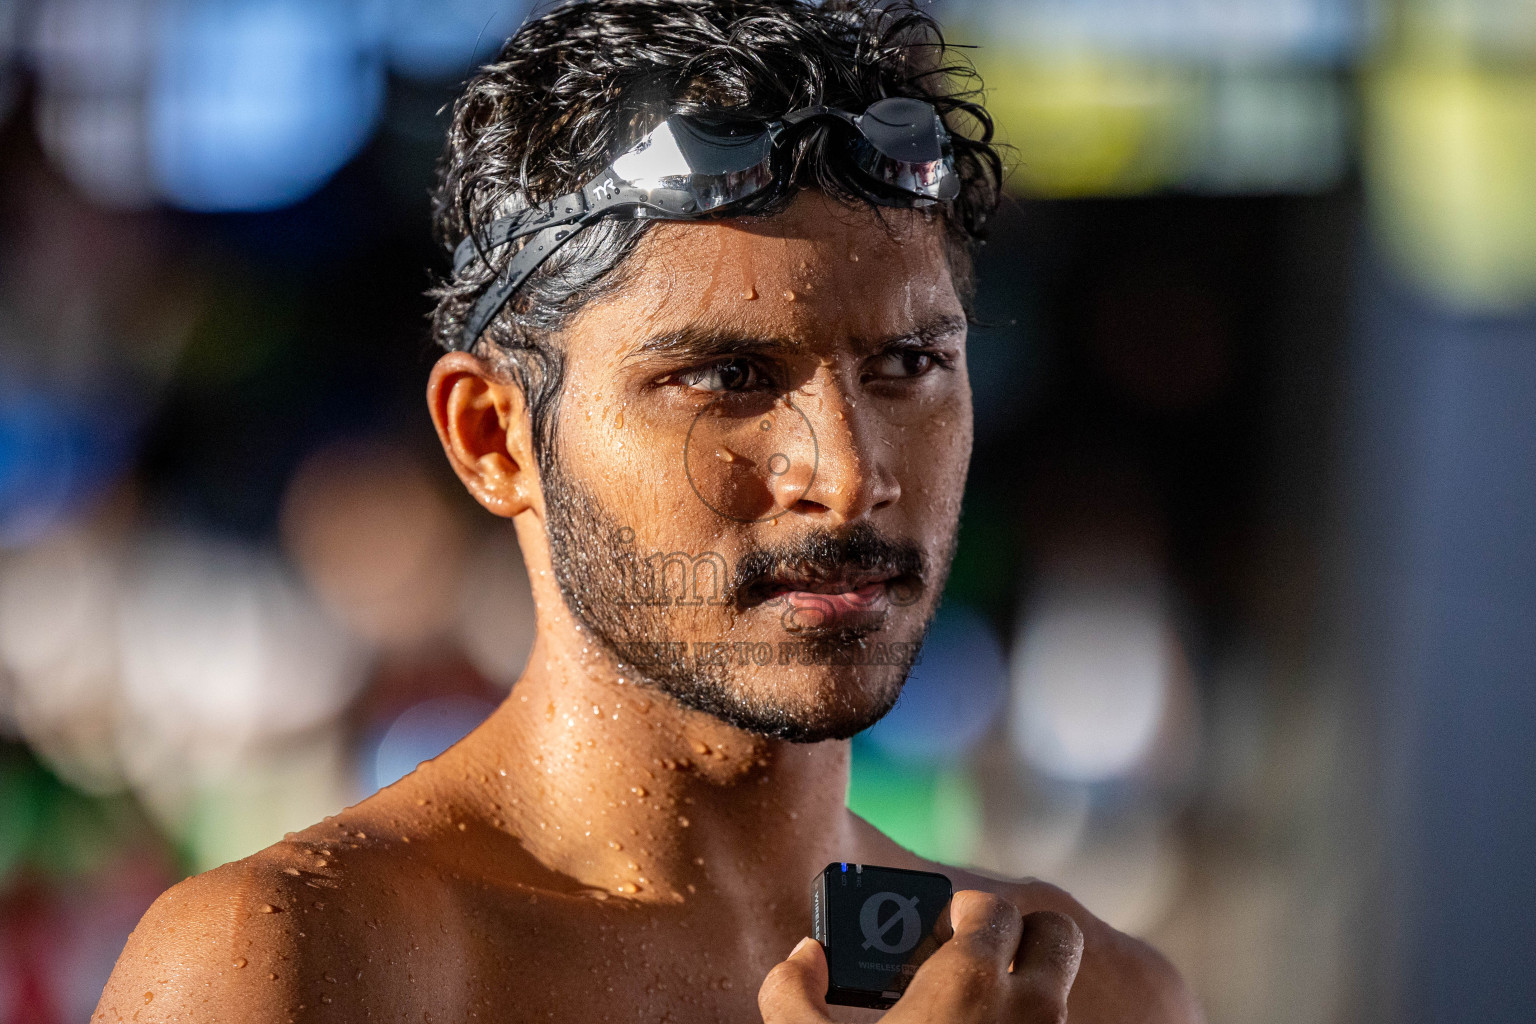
{"x":595,"y":851}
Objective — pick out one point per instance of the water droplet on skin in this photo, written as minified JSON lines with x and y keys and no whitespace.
{"x":614,"y":844}
{"x":290,"y":871}
{"x":271,"y":975}
{"x":618,"y":421}
{"x":637,"y":790}
{"x":750,"y":294}
{"x":789,"y":296}
{"x":699,"y":747}
{"x":698,"y":862}
{"x":725,"y":455}
{"x":267,"y":908}
{"x":322,"y":862}
{"x":683,"y":822}
{"x":240,"y":962}
{"x":462,"y":826}
{"x":149,"y":997}
{"x":628,"y":889}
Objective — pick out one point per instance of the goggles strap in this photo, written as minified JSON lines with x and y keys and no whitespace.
{"x":551,"y":225}
{"x":804,"y":114}
{"x":506,"y":229}
{"x":523,"y":263}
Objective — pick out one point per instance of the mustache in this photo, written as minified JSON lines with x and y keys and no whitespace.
{"x":861,"y":550}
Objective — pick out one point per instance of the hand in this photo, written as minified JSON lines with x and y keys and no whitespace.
{"x":998,"y":969}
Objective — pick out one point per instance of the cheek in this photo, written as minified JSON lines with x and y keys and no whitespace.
{"x":632,"y":461}
{"x":934,"y":445}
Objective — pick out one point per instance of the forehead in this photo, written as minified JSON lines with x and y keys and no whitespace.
{"x":818,"y":273}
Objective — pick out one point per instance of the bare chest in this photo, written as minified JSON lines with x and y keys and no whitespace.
{"x":515,"y":958}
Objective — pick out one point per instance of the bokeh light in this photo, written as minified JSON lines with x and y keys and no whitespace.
{"x":253,"y":104}
{"x":934,"y":811}
{"x":57,"y":453}
{"x":376,"y":538}
{"x":438,"y":39}
{"x":1092,"y":672}
{"x":953,"y":695}
{"x":420,"y":733}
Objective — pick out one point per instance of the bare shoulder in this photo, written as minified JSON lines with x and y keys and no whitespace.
{"x":1122,"y":980}
{"x":320,"y":920}
{"x":218,"y":946}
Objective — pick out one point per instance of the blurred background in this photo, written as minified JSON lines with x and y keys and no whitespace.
{"x":1240,"y":645}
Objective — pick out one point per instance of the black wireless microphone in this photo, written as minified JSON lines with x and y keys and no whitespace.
{"x":877,"y":925}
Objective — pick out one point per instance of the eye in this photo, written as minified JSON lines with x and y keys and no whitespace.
{"x":900,"y":363}
{"x":730,"y":375}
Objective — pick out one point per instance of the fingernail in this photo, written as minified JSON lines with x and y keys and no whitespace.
{"x":799,"y":946}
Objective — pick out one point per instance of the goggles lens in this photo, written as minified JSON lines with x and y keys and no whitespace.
{"x":902,"y":143}
{"x":903,"y":129}
{"x":715,"y":169}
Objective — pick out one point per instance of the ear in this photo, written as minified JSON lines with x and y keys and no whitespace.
{"x":482,"y":421}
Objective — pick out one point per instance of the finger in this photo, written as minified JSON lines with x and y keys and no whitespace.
{"x":1050,"y":952}
{"x":986,"y":928}
{"x":795,"y":992}
{"x":967,"y":978}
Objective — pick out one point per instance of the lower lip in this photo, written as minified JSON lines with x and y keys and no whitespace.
{"x":811,"y":610}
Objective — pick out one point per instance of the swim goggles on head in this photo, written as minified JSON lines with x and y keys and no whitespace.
{"x":690,"y":167}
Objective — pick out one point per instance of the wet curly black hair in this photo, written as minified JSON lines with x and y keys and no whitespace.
{"x":582,"y":82}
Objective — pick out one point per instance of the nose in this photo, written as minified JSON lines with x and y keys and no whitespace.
{"x":846,"y":477}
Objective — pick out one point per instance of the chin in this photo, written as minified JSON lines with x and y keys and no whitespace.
{"x":799,"y":703}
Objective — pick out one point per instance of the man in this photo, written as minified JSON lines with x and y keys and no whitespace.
{"x":707,"y":353}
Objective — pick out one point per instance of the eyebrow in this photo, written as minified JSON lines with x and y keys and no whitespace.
{"x":927,"y":335}
{"x":697,"y":342}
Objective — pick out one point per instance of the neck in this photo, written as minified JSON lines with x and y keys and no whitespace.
{"x":622,"y":789}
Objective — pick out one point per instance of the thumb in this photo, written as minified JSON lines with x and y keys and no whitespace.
{"x":795,"y":992}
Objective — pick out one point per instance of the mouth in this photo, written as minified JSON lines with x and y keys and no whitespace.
{"x":834,"y":584}
{"x":818,"y":603}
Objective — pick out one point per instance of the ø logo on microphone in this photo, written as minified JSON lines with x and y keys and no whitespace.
{"x":877,"y":928}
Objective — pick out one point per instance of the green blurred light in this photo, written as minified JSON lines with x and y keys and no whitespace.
{"x":933,"y":811}
{"x":21,"y":807}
